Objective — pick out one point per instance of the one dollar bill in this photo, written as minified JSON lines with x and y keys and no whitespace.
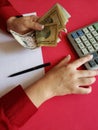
{"x":26,"y":40}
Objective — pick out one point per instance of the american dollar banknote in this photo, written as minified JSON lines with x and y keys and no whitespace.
{"x":48,"y":36}
{"x":26,"y":40}
{"x":54,"y":20}
{"x":57,"y":14}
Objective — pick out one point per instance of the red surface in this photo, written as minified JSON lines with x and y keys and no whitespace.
{"x":72,"y":112}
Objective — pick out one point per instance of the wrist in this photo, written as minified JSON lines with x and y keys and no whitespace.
{"x":39,"y":92}
{"x":45,"y":87}
{"x":10,"y":23}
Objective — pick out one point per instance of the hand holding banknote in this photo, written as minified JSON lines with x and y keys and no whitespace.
{"x":54,"y":21}
{"x":23,"y":25}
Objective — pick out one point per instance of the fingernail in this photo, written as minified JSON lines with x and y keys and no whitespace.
{"x":41,"y":26}
{"x":90,"y":56}
{"x":90,"y":89}
{"x":68,"y":56}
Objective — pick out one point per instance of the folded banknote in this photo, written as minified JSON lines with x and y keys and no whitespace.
{"x":54,"y":21}
{"x":57,"y":14}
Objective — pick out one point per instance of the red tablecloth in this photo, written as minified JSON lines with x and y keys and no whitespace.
{"x":72,"y":112}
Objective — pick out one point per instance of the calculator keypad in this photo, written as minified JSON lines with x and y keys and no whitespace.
{"x":85,"y":41}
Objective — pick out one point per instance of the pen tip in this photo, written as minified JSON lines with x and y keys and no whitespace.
{"x":9,"y":76}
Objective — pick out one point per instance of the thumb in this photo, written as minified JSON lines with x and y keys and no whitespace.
{"x":64,"y":61}
{"x":36,"y":26}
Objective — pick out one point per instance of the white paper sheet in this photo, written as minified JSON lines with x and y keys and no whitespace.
{"x":14,"y":58}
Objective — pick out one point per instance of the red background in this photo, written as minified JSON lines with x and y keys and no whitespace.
{"x":71,"y":112}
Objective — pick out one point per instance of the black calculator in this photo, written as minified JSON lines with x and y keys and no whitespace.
{"x":85,"y":41}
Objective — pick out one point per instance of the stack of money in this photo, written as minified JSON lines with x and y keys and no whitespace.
{"x":54,"y":22}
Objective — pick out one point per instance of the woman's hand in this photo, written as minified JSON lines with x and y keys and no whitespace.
{"x":24,"y":24}
{"x":67,"y":79}
{"x":63,"y":79}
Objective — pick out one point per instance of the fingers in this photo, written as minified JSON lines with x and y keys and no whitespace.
{"x":86,"y":81}
{"x":81,"y":61}
{"x":81,"y":90}
{"x":64,"y":61}
{"x":87,"y":73}
{"x":30,"y":22}
{"x":35,"y":26}
{"x":34,"y":18}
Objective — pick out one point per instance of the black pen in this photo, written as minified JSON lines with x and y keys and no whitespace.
{"x":30,"y":69}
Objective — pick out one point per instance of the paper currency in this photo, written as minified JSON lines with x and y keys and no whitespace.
{"x":48,"y":36}
{"x":26,"y":40}
{"x":57,"y":14}
{"x":54,"y":20}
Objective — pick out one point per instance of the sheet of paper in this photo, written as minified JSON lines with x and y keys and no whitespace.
{"x":14,"y":58}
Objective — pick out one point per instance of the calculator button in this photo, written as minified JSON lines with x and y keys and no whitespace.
{"x":87,"y":43}
{"x":80,"y":33}
{"x":89,"y":35}
{"x":96,"y":60}
{"x":96,"y":38}
{"x":96,"y":26}
{"x":92,"y":40}
{"x":83,"y":38}
{"x":95,"y":33}
{"x":81,"y":45}
{"x":91,"y":28}
{"x":96,"y":46}
{"x":84,"y":51}
{"x":91,"y":49}
{"x":92,"y":63}
{"x":85,"y":30}
{"x":74,"y":35}
{"x":78,"y":40}
{"x":95,"y":55}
